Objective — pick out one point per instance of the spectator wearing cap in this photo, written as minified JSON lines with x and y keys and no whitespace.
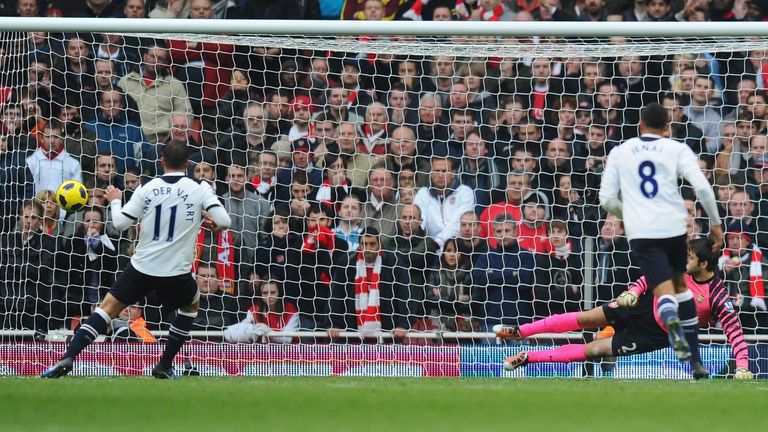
{"x":503,"y":278}
{"x":301,"y":107}
{"x":444,"y":201}
{"x":533,"y":232}
{"x":359,"y":98}
{"x":744,"y":269}
{"x":301,"y":160}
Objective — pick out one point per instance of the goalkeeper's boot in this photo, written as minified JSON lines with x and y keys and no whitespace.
{"x":61,"y":368}
{"x":516,"y":361}
{"x":503,"y":331}
{"x":160,"y":372}
{"x":699,"y":371}
{"x":677,"y":340}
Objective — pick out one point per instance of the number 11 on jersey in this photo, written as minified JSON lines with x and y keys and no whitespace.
{"x":171,"y":223}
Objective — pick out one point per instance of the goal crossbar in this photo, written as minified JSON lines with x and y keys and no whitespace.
{"x":388,"y":28}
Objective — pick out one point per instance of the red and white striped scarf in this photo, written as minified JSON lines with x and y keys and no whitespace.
{"x":367,"y":294}
{"x":324,"y":194}
{"x":225,"y":254}
{"x":263,"y":186}
{"x":756,"y":284}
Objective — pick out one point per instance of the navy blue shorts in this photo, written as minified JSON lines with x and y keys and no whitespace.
{"x":174,"y":291}
{"x":659,"y":259}
{"x":636,"y":328}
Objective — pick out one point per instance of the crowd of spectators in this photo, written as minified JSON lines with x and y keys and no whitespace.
{"x":367,"y":192}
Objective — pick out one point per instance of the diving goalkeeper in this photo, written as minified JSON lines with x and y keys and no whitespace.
{"x":638,"y":326}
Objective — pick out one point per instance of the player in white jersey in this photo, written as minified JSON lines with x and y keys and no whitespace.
{"x":645,"y":171}
{"x":171,"y":209}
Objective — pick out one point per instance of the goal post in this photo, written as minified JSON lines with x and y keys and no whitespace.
{"x":427,"y":137}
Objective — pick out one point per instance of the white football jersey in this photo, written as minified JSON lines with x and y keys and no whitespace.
{"x":169,"y":209}
{"x":646,"y":171}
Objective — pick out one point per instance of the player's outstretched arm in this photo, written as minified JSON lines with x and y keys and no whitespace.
{"x":609,"y":188}
{"x":688,"y":166}
{"x":123,"y":217}
{"x":219,"y":217}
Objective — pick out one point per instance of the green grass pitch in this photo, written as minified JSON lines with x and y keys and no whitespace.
{"x":338,"y":404}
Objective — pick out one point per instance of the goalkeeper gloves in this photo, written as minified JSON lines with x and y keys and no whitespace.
{"x":743,"y":374}
{"x":627,"y":299}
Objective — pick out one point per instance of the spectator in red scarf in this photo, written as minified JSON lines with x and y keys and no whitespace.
{"x":367,"y":292}
{"x":745,"y":272}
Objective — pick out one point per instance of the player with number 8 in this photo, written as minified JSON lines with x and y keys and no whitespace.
{"x":640,"y":183}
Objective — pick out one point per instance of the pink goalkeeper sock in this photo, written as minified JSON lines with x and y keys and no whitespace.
{"x":555,"y":324}
{"x":563,"y":354}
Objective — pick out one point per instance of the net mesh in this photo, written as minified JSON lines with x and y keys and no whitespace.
{"x":436,"y":143}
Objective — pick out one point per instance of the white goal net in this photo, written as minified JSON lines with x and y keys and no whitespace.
{"x":392,"y":197}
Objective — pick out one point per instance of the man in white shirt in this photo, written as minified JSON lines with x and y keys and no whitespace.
{"x":171,"y":209}
{"x":443,"y":203}
{"x":645,"y":171}
{"x":51,"y":164}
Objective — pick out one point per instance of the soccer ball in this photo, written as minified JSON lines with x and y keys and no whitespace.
{"x":72,"y":195}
